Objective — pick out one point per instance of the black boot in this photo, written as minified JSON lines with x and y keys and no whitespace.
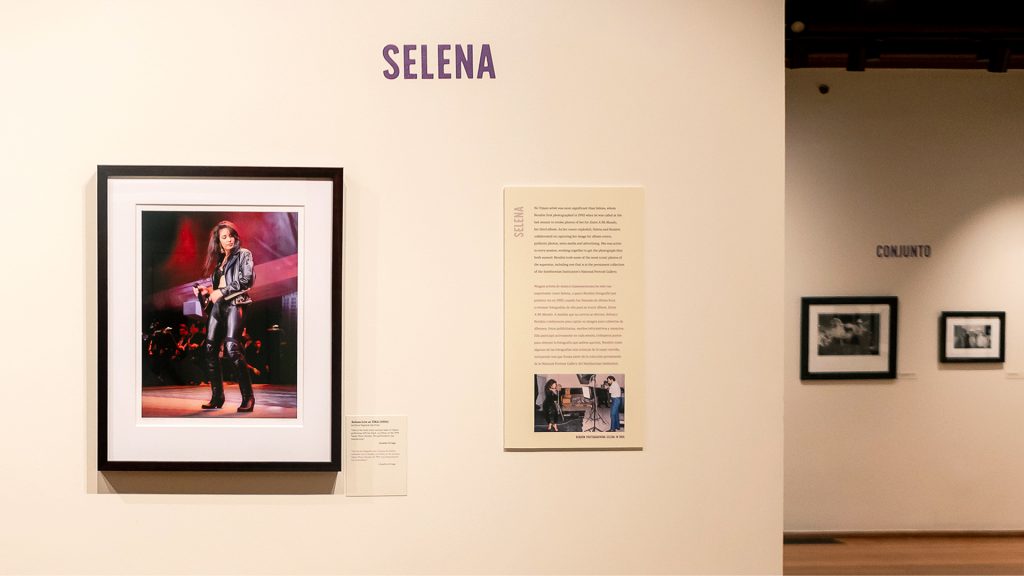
{"x":245,"y":387}
{"x":233,"y":351}
{"x":217,"y":398}
{"x":248,"y":403}
{"x":216,"y":379}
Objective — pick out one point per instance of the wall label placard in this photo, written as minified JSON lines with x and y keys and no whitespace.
{"x":574,"y":318}
{"x":903,"y":250}
{"x":441,"y":61}
{"x":376,"y":455}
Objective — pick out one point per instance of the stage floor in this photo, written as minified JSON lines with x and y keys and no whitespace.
{"x":272,"y":401}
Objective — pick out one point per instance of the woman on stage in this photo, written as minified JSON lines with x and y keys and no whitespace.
{"x":230,"y":268}
{"x":551,"y":404}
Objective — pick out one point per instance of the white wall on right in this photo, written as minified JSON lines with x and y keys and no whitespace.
{"x":906,"y":157}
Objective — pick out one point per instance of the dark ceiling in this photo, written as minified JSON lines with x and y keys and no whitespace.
{"x":862,"y":34}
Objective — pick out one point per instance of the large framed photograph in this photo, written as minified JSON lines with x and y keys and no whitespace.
{"x":219,"y":318}
{"x":972,"y":337}
{"x":848,"y":338}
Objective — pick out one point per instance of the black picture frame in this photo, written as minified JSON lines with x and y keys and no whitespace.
{"x":972,"y":337}
{"x":855,"y":337}
{"x":309,"y":441}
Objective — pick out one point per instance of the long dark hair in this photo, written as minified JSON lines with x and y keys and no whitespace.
{"x":214,"y":253}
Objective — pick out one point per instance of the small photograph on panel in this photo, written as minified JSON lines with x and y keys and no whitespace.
{"x":579,"y":403}
{"x":219,"y":317}
{"x":848,"y":334}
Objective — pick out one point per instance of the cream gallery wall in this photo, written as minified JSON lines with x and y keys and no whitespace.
{"x":906,"y":184}
{"x":684,"y":99}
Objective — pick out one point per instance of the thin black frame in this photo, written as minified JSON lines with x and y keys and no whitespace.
{"x":334,"y":175}
{"x":805,"y":306}
{"x":961,"y":314}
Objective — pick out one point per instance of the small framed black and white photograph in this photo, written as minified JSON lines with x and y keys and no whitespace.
{"x":219,"y":319}
{"x":848,"y":338}
{"x":972,"y":337}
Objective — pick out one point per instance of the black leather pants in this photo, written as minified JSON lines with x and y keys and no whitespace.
{"x":225,"y":326}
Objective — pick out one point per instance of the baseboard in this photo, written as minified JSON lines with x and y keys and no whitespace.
{"x":839,"y":534}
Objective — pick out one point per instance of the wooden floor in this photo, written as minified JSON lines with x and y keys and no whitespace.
{"x":906,"y":555}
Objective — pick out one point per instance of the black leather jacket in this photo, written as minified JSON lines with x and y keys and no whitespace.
{"x":238,"y":277}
